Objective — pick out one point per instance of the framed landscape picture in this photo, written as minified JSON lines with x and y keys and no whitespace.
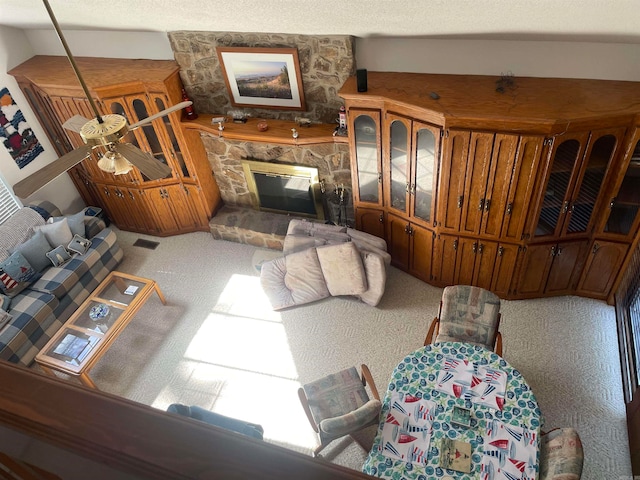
{"x":262,"y":77}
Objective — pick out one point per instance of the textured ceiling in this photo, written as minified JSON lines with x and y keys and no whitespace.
{"x":553,"y":20}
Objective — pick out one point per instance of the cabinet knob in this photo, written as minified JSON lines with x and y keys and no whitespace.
{"x":553,"y":251}
{"x":474,"y":248}
{"x":455,"y":244}
{"x":381,"y":218}
{"x":379,"y":177}
{"x":481,"y":248}
{"x":407,"y":188}
{"x":565,"y":207}
{"x":460,"y":200}
{"x":412,"y":189}
{"x":500,"y":251}
{"x":509,"y":208}
{"x":612,"y":202}
{"x":481,"y":204}
{"x":487,"y":203}
{"x":595,"y":247}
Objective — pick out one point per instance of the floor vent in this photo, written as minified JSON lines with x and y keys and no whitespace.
{"x":146,"y":244}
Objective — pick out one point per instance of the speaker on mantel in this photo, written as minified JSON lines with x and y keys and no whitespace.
{"x":361,"y":79}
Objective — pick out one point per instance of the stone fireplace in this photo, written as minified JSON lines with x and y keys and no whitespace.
{"x":326,"y":61}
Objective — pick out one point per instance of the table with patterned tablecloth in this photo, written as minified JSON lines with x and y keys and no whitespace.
{"x":503,"y":417}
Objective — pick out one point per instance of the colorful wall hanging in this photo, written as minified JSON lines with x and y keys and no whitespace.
{"x":15,"y":133}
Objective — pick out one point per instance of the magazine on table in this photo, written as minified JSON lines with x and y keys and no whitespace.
{"x":75,"y":348}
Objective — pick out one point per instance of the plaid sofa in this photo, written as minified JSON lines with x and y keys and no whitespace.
{"x":42,"y":308}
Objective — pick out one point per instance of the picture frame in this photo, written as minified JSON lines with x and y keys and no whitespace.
{"x":262,"y":77}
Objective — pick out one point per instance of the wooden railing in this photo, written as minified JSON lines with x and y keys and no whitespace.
{"x":140,"y":440}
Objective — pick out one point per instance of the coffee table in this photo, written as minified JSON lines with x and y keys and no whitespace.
{"x":89,"y":332}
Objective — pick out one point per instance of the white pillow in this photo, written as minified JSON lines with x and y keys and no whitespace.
{"x":57,"y":233}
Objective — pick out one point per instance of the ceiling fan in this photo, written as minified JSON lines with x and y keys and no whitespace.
{"x":103,"y":131}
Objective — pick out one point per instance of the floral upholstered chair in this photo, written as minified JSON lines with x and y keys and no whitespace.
{"x":338,"y":405}
{"x":561,"y":455}
{"x":467,"y":314}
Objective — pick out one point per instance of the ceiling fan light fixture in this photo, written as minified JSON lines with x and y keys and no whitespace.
{"x":113,"y":162}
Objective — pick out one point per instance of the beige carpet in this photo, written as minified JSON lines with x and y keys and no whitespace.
{"x":217,"y":344}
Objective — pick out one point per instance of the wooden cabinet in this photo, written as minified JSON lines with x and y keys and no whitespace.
{"x":525,"y":197}
{"x":410,"y":246}
{"x":136,"y":89}
{"x":602,"y":266}
{"x":371,"y":220}
{"x":471,"y":261}
{"x":577,"y":170}
{"x":621,"y":220}
{"x":551,"y":269}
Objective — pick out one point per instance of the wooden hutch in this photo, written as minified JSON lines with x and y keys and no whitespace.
{"x":528,"y":187}
{"x":136,"y":89}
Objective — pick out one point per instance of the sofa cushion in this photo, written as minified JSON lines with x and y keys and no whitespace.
{"x":342,"y":269}
{"x":375,"y":268}
{"x":293,"y":280}
{"x":75,"y":222}
{"x":5,"y":302}
{"x":16,"y":273}
{"x":35,"y":251}
{"x":59,"y":280}
{"x":57,"y":233}
{"x":17,"y":229}
{"x":29,"y":310}
{"x":58,"y":256}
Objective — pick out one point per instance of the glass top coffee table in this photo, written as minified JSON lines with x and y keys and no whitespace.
{"x":89,"y":332}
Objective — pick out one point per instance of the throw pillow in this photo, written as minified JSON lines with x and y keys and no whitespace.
{"x":16,"y":274}
{"x":35,"y":251}
{"x":75,"y":221}
{"x":79,"y":244}
{"x":5,"y":302}
{"x":58,"y":256}
{"x":57,"y":233}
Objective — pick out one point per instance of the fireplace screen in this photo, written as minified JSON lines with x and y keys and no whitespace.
{"x":286,"y":189}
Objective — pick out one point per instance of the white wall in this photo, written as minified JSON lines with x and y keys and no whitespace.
{"x":606,"y":61}
{"x":15,"y":49}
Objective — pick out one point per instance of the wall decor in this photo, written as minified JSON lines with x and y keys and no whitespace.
{"x":262,"y":77}
{"x":15,"y":133}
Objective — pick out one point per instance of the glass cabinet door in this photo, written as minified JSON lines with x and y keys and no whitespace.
{"x":426,"y":158}
{"x":564,"y":157}
{"x":176,"y":152}
{"x":141,"y":112}
{"x":367,"y":155}
{"x":624,"y":207}
{"x":399,"y":145}
{"x":118,"y":107}
{"x":598,"y":158}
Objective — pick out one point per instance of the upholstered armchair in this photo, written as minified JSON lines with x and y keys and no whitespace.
{"x":467,"y":314}
{"x":338,"y":405}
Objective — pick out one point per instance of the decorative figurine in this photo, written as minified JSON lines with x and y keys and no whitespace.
{"x":303,"y":121}
{"x":189,"y":111}
{"x":341,"y":129}
{"x":220,"y":128}
{"x":294,"y":134}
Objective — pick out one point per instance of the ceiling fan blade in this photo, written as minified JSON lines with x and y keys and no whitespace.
{"x":167,"y":111}
{"x":39,"y":179}
{"x":75,"y":123}
{"x":153,"y":169}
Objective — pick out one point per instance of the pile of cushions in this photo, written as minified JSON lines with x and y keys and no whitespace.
{"x":325,"y":260}
{"x":52,"y":244}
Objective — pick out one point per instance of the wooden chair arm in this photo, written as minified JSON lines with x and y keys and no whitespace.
{"x":368,"y":379}
{"x":498,"y":348}
{"x":305,"y":404}
{"x":432,"y":332}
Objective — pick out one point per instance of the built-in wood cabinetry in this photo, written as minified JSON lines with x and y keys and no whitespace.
{"x":136,"y":89}
{"x":528,"y":192}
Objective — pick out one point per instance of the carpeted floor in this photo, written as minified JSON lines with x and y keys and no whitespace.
{"x":217,"y":344}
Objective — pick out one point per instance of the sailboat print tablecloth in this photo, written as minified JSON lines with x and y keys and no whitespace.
{"x":416,"y":416}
